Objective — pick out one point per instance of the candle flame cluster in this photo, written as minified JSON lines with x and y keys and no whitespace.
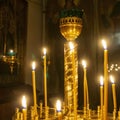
{"x":103,"y":81}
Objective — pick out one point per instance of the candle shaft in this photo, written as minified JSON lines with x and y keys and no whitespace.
{"x":87,"y":92}
{"x":114,"y":96}
{"x":24,"y":110}
{"x":85,"y":96}
{"x":101,"y":96}
{"x":59,"y":116}
{"x":45,"y":86}
{"x":34,"y":90}
{"x":101,"y":100}
{"x":105,"y":84}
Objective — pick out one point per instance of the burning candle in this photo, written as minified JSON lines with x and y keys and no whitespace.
{"x":86,"y":94}
{"x":34,"y":86}
{"x":24,"y":110}
{"x":105,"y":79}
{"x":58,"y":108}
{"x":45,"y":82}
{"x":84,"y":83}
{"x":113,"y":92}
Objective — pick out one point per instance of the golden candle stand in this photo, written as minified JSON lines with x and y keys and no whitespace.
{"x":70,"y":28}
{"x":65,"y":114}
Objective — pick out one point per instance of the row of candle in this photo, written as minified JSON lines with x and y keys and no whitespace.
{"x":105,"y":94}
{"x":85,"y":84}
{"x":58,"y":104}
{"x":23,"y":115}
{"x":113,"y":93}
{"x":86,"y":94}
{"x":45,"y":86}
{"x":34,"y":90}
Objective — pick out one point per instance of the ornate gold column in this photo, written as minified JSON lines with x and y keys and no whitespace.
{"x":70,"y":28}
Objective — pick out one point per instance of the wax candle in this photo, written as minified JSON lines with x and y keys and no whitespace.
{"x":105,"y":79}
{"x":24,"y":110}
{"x":34,"y":86}
{"x":113,"y":92}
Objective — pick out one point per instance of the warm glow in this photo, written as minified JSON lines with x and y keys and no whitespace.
{"x":112,"y":79}
{"x":101,"y":80}
{"x":71,"y":45}
{"x":11,"y":51}
{"x":44,"y":51}
{"x":84,"y":63}
{"x":33,"y":65}
{"x":24,"y":105}
{"x":58,"y":105}
{"x":104,"y":44}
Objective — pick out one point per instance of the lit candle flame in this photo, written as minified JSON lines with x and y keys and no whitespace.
{"x":33,"y":65}
{"x":44,"y":51}
{"x":58,"y":105}
{"x":84,"y":63}
{"x":71,"y":45}
{"x":104,"y":44}
{"x":101,"y":80}
{"x":112,"y":79}
{"x":24,"y":102}
{"x":11,"y":51}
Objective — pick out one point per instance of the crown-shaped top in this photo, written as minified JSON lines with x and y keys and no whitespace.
{"x":70,"y":21}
